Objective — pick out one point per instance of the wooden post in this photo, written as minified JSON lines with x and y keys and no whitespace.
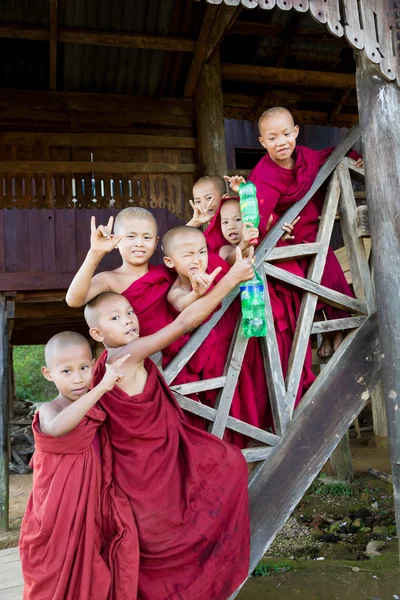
{"x":341,"y":460}
{"x":210,"y":120}
{"x":379,"y":416}
{"x":4,"y":416}
{"x":379,"y":106}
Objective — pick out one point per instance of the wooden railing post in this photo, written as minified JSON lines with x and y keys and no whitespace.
{"x":379,"y":106}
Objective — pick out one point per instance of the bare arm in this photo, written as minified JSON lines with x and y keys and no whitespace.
{"x":191,"y":317}
{"x":58,"y":423}
{"x":181,"y":298}
{"x":84,"y":287}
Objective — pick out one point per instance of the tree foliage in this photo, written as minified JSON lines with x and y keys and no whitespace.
{"x":29,"y":381}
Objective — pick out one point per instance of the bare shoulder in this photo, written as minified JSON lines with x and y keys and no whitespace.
{"x":49,"y":410}
{"x":225,"y":251}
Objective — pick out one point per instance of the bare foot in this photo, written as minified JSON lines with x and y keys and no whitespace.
{"x":337,"y":339}
{"x":326,"y":348}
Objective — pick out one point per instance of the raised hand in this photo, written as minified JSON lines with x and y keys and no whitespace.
{"x":201,"y":281}
{"x":114,"y":373}
{"x":235,"y":181}
{"x":288,"y":228}
{"x":243,"y":269}
{"x":101,"y":238}
{"x":201,"y":215}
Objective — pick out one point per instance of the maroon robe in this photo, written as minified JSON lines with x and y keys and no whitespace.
{"x":60,"y":540}
{"x":187,"y":491}
{"x":285,"y":305}
{"x":277,"y":190}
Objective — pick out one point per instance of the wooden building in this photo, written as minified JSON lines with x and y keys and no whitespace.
{"x":105,"y":105}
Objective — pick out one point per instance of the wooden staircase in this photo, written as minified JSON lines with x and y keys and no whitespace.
{"x":289,"y":460}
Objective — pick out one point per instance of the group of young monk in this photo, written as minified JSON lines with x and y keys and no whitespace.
{"x":132,"y":498}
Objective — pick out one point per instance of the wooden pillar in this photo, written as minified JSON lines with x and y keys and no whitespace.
{"x":379,"y":416}
{"x":4,"y":416}
{"x":341,"y":461}
{"x":210,"y":120}
{"x":379,"y":106}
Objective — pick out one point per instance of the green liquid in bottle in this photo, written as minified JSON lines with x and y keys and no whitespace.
{"x":252,"y":295}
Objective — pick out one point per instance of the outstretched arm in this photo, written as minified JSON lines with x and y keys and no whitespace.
{"x":84,"y":287}
{"x":180,"y":298}
{"x":191,"y":317}
{"x":56,"y":422}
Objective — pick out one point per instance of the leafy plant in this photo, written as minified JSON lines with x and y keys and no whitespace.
{"x":335,"y":489}
{"x":29,"y":381}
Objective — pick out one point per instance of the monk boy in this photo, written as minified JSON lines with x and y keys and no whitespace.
{"x":61,"y":530}
{"x":187,"y":490}
{"x":185,"y":250}
{"x":282,"y":177}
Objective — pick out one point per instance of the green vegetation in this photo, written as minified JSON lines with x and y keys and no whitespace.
{"x":335,"y":489}
{"x":264,"y":569}
{"x":29,"y":381}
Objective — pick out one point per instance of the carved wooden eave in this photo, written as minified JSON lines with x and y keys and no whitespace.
{"x":369,"y":25}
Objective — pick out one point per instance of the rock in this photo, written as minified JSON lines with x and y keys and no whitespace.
{"x":380,"y":532}
{"x":330,"y":538}
{"x":316,"y":533}
{"x":357,"y":523}
{"x":318,"y":522}
{"x":373,"y":547}
{"x":366,"y":529}
{"x":366,"y":497}
{"x":331,"y":480}
{"x":335,"y":527}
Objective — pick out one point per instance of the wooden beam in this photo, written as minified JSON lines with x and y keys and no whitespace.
{"x":96,"y":140}
{"x":44,"y":166}
{"x":53,"y":44}
{"x":273,"y":75}
{"x":119,"y":39}
{"x":201,"y":49}
{"x":210,"y":120}
{"x":35,"y":281}
{"x":336,"y":111}
{"x":4,"y":416}
{"x":101,"y":103}
{"x":379,"y":105}
{"x":216,"y":22}
{"x":335,"y":399}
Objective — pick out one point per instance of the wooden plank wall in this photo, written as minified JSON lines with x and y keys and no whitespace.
{"x":42,"y":249}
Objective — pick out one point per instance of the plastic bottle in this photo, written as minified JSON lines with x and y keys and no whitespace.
{"x":252,"y":295}
{"x":249,"y":206}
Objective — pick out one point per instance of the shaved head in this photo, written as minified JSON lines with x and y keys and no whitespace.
{"x":217,"y":182}
{"x":177,"y":236}
{"x":230,"y":204}
{"x":272,"y":112}
{"x":132,"y":212}
{"x":59,"y":342}
{"x":93,"y":308}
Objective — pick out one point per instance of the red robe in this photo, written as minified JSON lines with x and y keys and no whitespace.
{"x":187,"y":491}
{"x":60,"y":538}
{"x":285,"y":306}
{"x":277,"y":190}
{"x":148,"y":297}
